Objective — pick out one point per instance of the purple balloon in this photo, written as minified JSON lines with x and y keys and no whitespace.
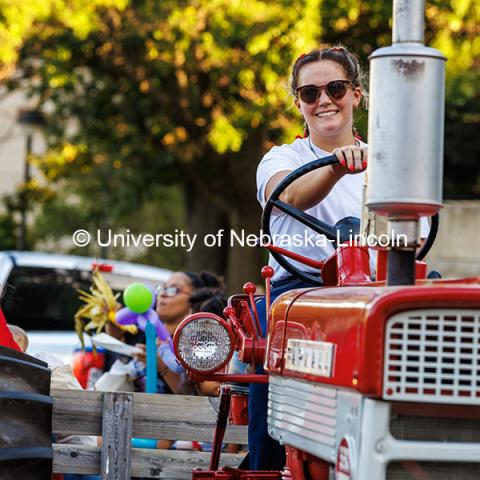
{"x":126,"y":317}
{"x":141,"y":321}
{"x":162,"y":332}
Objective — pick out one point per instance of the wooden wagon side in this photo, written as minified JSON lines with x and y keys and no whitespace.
{"x":118,"y":417}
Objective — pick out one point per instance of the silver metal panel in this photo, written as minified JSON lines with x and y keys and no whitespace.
{"x":312,"y":417}
{"x":433,"y":356}
{"x":310,"y":356}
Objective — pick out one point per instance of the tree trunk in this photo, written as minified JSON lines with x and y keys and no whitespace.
{"x":227,"y":200}
{"x":245,"y":263}
{"x":204,"y":219}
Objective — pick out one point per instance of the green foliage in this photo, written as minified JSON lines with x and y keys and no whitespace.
{"x":71,"y":208}
{"x":22,"y":19}
{"x":8,"y":226}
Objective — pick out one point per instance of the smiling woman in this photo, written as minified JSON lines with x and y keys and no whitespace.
{"x":172,"y":300}
{"x":326,"y":86}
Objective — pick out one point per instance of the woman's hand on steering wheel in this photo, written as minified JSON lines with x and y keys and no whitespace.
{"x":354,"y":158}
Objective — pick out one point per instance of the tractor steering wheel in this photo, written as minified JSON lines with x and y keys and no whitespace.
{"x":345,"y":227}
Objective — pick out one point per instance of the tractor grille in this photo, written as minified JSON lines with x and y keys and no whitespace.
{"x":304,"y":413}
{"x":433,"y":356}
{"x":435,"y":429}
{"x":433,"y":470}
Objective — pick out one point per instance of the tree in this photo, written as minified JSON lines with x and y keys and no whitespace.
{"x":8,"y":225}
{"x":191,"y":92}
{"x":168,"y":92}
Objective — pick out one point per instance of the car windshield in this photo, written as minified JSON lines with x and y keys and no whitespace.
{"x":47,"y":298}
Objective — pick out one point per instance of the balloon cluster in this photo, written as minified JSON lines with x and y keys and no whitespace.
{"x":139,"y":301}
{"x":139,"y":309}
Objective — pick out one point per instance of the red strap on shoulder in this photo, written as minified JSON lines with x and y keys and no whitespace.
{"x":6,"y":338}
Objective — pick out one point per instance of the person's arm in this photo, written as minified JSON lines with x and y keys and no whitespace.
{"x":312,"y":188}
{"x":208,"y":388}
{"x":172,"y":379}
{"x":309,"y":190}
{"x":169,"y":359}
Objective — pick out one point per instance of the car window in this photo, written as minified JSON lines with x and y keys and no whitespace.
{"x":47,"y":298}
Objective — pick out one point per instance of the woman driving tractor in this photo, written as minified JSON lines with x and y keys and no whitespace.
{"x":327,"y":88}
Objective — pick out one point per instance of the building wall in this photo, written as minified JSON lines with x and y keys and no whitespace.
{"x":457,"y":250}
{"x":13,"y":142}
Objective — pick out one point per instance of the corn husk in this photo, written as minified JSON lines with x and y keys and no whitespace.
{"x":99,"y":308}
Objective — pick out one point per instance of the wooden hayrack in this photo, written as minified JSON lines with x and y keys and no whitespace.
{"x":118,"y":416}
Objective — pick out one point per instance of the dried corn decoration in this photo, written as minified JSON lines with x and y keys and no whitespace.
{"x":99,"y":309}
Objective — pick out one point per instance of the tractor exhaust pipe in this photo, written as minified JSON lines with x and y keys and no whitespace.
{"x":408,"y":21}
{"x":405,"y":136}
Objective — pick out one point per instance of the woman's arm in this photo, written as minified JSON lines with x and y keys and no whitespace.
{"x":208,"y":388}
{"x":309,"y":190}
{"x":312,"y":188}
{"x":172,"y":379}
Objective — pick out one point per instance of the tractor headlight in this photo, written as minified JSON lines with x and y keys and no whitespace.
{"x":203,"y":343}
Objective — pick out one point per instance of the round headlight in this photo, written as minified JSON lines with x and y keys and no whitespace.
{"x":203,"y":343}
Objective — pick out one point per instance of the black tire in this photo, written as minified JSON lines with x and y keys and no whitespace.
{"x":25,"y":417}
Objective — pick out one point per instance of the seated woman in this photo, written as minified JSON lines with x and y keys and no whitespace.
{"x":173,"y":305}
{"x":326,"y":86}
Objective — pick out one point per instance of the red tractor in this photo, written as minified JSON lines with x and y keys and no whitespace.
{"x":369,"y":379}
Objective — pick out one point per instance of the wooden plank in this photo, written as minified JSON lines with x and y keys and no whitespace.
{"x":175,"y":464}
{"x":76,"y":459}
{"x":116,"y":433}
{"x":180,"y":417}
{"x":165,"y":464}
{"x":77,"y":412}
{"x":169,"y":417}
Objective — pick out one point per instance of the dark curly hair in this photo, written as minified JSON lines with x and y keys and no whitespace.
{"x":205,"y":279}
{"x":208,"y":299}
{"x":208,"y":293}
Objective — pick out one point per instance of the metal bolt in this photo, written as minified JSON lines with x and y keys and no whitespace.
{"x":379,"y":446}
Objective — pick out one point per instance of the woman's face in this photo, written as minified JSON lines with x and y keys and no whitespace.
{"x":327,"y":117}
{"x":174,"y":308}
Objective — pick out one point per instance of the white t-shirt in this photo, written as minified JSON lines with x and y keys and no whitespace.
{"x":344,"y":200}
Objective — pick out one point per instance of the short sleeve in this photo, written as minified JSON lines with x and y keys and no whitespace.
{"x":278,"y":159}
{"x":424,"y":227}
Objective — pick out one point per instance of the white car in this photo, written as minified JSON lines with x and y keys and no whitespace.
{"x":39,"y":293}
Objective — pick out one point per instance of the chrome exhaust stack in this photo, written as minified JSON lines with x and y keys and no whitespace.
{"x":406,"y":118}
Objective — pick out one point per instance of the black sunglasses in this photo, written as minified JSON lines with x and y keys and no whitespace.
{"x":335,"y":89}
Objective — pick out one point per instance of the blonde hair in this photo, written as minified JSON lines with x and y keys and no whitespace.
{"x":20,"y":336}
